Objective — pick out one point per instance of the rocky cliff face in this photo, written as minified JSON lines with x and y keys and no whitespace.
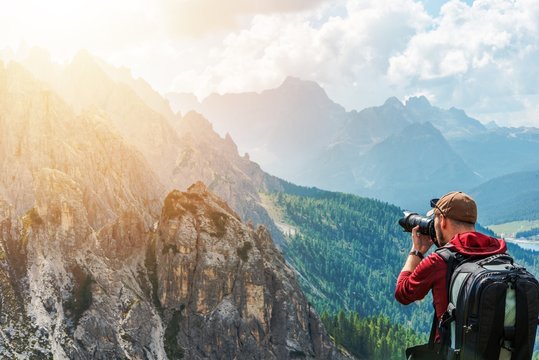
{"x":204,"y":155}
{"x":179,"y":150}
{"x":224,"y":282}
{"x":38,"y":130}
{"x":93,"y":265}
{"x":199,"y":285}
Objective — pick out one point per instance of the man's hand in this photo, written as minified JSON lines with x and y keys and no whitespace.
{"x":420,"y":242}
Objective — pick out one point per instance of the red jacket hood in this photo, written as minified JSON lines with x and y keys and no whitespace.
{"x":475,"y":243}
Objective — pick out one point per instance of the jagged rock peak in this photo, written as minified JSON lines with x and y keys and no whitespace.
{"x":230,"y":142}
{"x":393,"y":101}
{"x":196,"y":125}
{"x":85,"y":67}
{"x":418,"y":102}
{"x":197,"y":196}
{"x":199,"y":188}
{"x":295,"y":84}
{"x":458,"y":112}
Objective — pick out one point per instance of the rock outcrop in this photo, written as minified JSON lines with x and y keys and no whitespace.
{"x":226,"y":283}
{"x":199,"y":285}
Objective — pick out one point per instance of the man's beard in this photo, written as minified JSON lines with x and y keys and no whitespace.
{"x":439,"y":235}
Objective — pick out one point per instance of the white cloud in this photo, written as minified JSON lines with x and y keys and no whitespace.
{"x":482,"y":57}
{"x":338,"y":52}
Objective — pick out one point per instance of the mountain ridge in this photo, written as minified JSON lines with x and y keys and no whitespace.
{"x":276,"y":112}
{"x":178,"y":153}
{"x":336,"y":160}
{"x":508,"y":198}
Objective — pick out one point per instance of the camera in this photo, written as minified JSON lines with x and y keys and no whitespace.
{"x":426,"y":224}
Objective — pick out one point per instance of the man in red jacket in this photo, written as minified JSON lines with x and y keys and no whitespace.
{"x":455,"y":215}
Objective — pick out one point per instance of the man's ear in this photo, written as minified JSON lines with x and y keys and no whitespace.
{"x":443,"y":222}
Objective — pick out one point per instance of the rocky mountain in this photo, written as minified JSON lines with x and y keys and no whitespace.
{"x":388,"y":154}
{"x":180,"y":150}
{"x":84,"y":85}
{"x":297,"y":132}
{"x":199,"y":284}
{"x":294,"y":122}
{"x":38,"y":130}
{"x":204,"y":155}
{"x":411,"y":166}
{"x":94,"y":265}
{"x":229,"y":285}
{"x":508,"y":198}
{"x":425,"y":151}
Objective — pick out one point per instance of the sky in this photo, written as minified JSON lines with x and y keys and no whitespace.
{"x":481,"y":56}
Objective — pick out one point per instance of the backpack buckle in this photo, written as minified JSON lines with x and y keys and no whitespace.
{"x":447,"y":316}
{"x":505,"y":344}
{"x":467,"y":328}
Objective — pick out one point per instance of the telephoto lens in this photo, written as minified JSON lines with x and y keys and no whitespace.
{"x":411,"y":220}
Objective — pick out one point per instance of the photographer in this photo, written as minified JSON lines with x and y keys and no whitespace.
{"x":455,"y":215}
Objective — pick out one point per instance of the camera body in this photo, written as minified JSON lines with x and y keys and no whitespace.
{"x":426,"y":224}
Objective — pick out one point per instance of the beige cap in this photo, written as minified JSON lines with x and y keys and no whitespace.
{"x":456,"y":205}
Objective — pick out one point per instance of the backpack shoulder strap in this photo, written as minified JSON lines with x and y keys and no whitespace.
{"x":452,"y":258}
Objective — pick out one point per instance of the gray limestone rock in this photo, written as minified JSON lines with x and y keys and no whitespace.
{"x":93,"y":266}
{"x":226,"y":286}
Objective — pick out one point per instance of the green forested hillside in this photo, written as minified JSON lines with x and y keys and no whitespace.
{"x":372,"y":338}
{"x":349,"y":251}
{"x":508,"y":198}
{"x":528,"y":233}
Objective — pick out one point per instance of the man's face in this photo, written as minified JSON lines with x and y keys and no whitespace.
{"x":438,"y":230}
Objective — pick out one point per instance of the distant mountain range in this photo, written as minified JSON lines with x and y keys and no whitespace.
{"x":281,"y":128}
{"x":402,"y":153}
{"x":509,"y":198}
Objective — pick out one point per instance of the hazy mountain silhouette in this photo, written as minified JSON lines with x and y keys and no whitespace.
{"x":298,"y":133}
{"x":283,"y":128}
{"x":411,"y":167}
{"x":508,"y":198}
{"x":500,"y":151}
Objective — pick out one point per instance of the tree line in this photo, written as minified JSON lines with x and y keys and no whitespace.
{"x":350,"y":251}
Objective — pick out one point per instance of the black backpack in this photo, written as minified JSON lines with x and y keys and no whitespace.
{"x":493,"y":308}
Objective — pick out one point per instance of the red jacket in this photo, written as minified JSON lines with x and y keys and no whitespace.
{"x":430,"y":274}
